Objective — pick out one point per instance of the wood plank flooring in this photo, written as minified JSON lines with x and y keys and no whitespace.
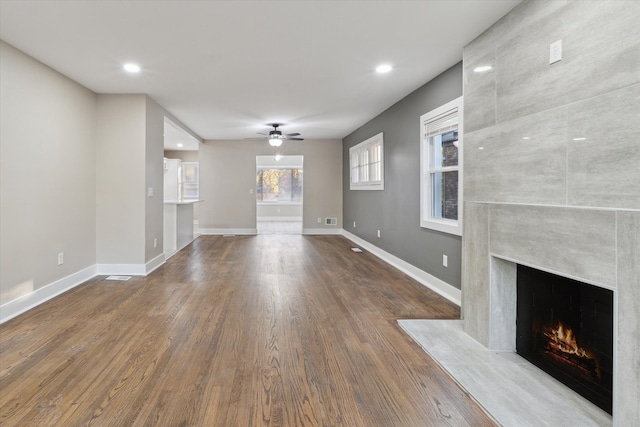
{"x":265,"y":330}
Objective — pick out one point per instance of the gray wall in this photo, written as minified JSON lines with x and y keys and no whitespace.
{"x":395,"y":211}
{"x":228,"y":172}
{"x":549,"y":201}
{"x":47,"y":175}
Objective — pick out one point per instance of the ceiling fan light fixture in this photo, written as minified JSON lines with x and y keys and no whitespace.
{"x":275,"y":142}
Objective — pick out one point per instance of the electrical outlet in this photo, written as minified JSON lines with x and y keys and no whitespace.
{"x":150,"y":192}
{"x":155,"y":243}
{"x":444,"y":260}
{"x":61,"y":258}
{"x":251,"y":191}
{"x":555,"y":52}
{"x":354,"y":224}
{"x":378,"y":233}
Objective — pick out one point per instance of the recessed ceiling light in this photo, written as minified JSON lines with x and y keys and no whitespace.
{"x":580,"y":139}
{"x":278,"y":157}
{"x":526,"y":137}
{"x":131,"y":68}
{"x":480,"y":148}
{"x":180,"y":145}
{"x":384,"y":68}
{"x":482,"y":69}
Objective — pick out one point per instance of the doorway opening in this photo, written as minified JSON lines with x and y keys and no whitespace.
{"x":279,"y":194}
{"x":181,"y":189}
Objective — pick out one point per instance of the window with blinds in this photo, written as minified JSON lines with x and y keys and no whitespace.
{"x":441,"y":168}
{"x":367,"y":164}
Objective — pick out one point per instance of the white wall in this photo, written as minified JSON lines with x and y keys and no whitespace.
{"x":121,"y":179}
{"x":275,"y":211}
{"x":75,"y":169}
{"x":154,"y":178}
{"x":228,"y":173}
{"x":47,"y":175}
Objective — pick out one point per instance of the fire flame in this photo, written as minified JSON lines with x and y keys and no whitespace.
{"x":562,"y":339}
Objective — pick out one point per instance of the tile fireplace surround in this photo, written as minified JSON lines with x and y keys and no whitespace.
{"x":551,"y":175}
{"x":599,"y":247}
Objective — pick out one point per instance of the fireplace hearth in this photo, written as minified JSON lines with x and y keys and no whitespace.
{"x":565,"y":327}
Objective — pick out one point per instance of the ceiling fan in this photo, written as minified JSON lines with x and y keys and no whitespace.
{"x":276,"y":137}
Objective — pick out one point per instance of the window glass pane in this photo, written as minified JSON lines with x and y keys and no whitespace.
{"x":366,"y":161}
{"x":284,"y":185}
{"x":445,"y":149}
{"x":444,"y":194}
{"x":190,"y":191}
{"x":296,"y":185}
{"x":190,"y":173}
{"x":189,"y":185}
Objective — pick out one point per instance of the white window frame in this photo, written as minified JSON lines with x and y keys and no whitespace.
{"x":184,"y":181}
{"x":427,"y":220}
{"x":360,"y":164}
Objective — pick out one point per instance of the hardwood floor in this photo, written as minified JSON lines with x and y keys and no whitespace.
{"x":266,"y":330}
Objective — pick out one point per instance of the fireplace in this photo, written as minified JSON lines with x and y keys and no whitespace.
{"x":565,"y":327}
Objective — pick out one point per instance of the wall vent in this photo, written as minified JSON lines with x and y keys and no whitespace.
{"x":331,"y":221}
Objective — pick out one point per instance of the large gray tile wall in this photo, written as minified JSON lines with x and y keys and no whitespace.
{"x":539,"y":195}
{"x":475,"y":271}
{"x":628,"y":378}
{"x":579,"y":243}
{"x":593,"y":93}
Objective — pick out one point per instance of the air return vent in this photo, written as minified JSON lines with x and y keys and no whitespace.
{"x":331,"y":221}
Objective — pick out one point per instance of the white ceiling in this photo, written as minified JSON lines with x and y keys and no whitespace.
{"x":228,"y":68}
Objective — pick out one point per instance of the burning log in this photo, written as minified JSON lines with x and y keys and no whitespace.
{"x":563,"y":347}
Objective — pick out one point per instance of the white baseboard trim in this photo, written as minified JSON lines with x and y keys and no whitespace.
{"x":439,"y":286}
{"x":225,"y":231}
{"x":154,"y":263}
{"x":279,"y":218}
{"x":26,"y":302}
{"x":322,"y":231}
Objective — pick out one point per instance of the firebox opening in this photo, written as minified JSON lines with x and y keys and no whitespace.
{"x":565,"y":327}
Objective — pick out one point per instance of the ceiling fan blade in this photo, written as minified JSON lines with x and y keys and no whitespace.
{"x":295,"y":139}
{"x":256,"y":139}
{"x":261,"y":133}
{"x":292,"y":134}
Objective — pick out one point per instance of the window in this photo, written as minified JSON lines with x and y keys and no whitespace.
{"x":279,"y":185}
{"x":441,"y":168}
{"x":190,"y":180}
{"x":367,"y":164}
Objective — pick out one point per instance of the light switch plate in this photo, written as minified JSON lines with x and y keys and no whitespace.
{"x":555,"y":52}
